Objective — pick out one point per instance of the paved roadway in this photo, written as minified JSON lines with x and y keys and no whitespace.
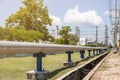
{"x":109,"y":69}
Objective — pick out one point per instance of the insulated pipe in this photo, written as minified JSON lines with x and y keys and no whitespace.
{"x":11,"y":47}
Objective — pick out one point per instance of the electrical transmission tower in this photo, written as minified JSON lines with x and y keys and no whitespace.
{"x":114,"y":9}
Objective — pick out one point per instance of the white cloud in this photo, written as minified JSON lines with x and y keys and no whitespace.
{"x":106,"y":12}
{"x":74,"y":16}
{"x":55,"y":20}
{"x":112,"y":13}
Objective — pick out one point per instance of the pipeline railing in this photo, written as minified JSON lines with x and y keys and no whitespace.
{"x":40,"y":50}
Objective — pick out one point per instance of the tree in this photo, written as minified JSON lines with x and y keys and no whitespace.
{"x":33,"y":16}
{"x":13,"y":34}
{"x":73,"y":39}
{"x":1,"y":33}
{"x":59,"y":41}
{"x":64,"y":32}
{"x":66,"y":36}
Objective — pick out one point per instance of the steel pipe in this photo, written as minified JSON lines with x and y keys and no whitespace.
{"x":11,"y":47}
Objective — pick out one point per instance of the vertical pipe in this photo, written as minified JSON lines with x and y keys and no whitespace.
{"x":89,"y":55}
{"x":39,"y":63}
{"x":100,"y":51}
{"x":39,"y":60}
{"x":97,"y":52}
{"x":69,"y":57}
{"x":93,"y":52}
{"x":82,"y":54}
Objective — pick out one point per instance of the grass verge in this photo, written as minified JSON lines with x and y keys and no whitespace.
{"x":16,"y":68}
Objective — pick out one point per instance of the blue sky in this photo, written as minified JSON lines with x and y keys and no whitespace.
{"x":59,"y":7}
{"x":67,"y":12}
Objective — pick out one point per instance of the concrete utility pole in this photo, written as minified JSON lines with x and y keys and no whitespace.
{"x":57,"y":31}
{"x":96,"y":35}
{"x":106,"y":36}
{"x":78,"y":34}
{"x":53,"y":33}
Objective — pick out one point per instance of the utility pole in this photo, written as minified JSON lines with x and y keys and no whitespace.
{"x":53,"y":33}
{"x":106,"y":36}
{"x":115,"y":25}
{"x":119,"y":29}
{"x":113,"y":5}
{"x":96,"y":35}
{"x":57,"y":31}
{"x":78,"y":34}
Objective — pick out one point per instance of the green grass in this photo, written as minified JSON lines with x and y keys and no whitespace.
{"x":16,"y":68}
